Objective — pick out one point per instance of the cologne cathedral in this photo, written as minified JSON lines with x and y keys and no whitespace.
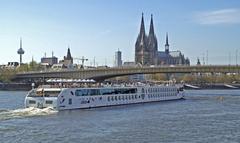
{"x":146,"y":49}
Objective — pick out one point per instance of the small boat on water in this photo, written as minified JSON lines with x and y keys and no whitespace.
{"x":62,"y":98}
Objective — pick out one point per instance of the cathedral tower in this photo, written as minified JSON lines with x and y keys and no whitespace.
{"x":152,"y":44}
{"x":141,"y":50}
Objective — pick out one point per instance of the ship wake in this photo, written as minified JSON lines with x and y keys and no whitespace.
{"x":25,"y":112}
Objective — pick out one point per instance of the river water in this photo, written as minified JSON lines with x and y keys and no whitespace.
{"x":205,"y":116}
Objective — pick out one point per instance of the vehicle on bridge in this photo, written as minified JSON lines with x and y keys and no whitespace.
{"x":90,"y":97}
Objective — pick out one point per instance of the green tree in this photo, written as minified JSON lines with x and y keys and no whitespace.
{"x":34,"y":66}
{"x":159,"y":77}
{"x":7,"y":74}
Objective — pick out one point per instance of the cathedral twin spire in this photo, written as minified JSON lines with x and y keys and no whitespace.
{"x":146,"y":47}
{"x":151,"y":31}
{"x":142,"y":27}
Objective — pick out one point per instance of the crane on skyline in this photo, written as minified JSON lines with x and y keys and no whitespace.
{"x":83,"y":59}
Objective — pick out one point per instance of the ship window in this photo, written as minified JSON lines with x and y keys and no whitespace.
{"x":117,"y":91}
{"x":78,"y":92}
{"x":51,"y":93}
{"x":119,"y":97}
{"x":115,"y":97}
{"x":49,"y":101}
{"x":94,"y":91}
{"x":70,"y":101}
{"x":108,"y":98}
{"x":32,"y":102}
{"x":84,"y":92}
{"x":106,"y":91}
{"x":81,"y":92}
{"x":112,"y":98}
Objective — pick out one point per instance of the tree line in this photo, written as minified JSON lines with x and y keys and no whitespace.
{"x":6,"y":74}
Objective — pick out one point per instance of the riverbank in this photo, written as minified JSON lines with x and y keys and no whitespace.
{"x":212,"y":86}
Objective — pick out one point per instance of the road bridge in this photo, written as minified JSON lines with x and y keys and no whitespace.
{"x":105,"y":73}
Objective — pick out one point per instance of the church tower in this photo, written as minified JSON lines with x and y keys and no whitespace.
{"x":152,"y":45}
{"x":68,"y":57}
{"x":141,"y":50}
{"x":167,"y":45}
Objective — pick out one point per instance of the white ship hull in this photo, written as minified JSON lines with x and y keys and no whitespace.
{"x":80,"y":98}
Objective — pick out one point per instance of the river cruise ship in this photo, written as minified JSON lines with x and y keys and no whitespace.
{"x":91,"y":97}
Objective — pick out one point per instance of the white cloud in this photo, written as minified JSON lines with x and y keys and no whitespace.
{"x":223,"y":16}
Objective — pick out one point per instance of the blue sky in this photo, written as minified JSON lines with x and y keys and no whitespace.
{"x":98,"y":28}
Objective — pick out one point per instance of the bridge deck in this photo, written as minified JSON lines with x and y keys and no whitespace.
{"x":105,"y":73}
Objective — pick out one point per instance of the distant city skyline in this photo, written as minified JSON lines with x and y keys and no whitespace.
{"x":201,"y":29}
